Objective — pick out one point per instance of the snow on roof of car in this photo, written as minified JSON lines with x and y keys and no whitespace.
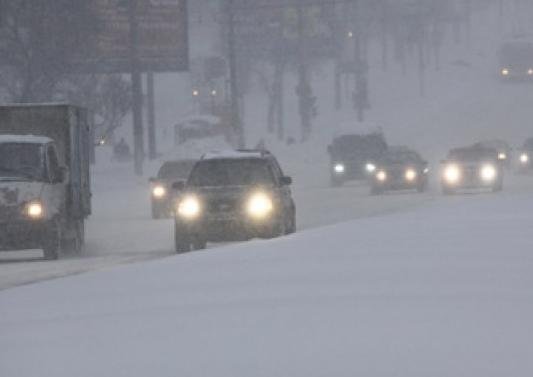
{"x":27,"y":139}
{"x":231,"y":154}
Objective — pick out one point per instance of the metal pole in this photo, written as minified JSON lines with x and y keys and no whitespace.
{"x":152,"y":142}
{"x":303,"y":89}
{"x":138,"y":137}
{"x":234,"y":95}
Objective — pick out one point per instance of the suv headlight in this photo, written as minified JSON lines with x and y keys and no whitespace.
{"x":381,"y":175}
{"x":410,"y":174}
{"x":488,"y":173}
{"x":524,"y":158}
{"x":189,"y":207}
{"x":34,"y":210}
{"x":452,"y":174}
{"x":502,"y":156}
{"x":259,"y":205}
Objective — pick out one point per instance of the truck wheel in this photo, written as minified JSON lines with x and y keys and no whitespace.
{"x":52,"y":241}
{"x":75,"y":242}
{"x":181,"y":240}
{"x":448,"y":191}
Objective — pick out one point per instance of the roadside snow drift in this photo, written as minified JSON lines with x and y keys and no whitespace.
{"x":444,"y":290}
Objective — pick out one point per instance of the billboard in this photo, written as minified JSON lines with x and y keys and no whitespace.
{"x":162,"y":32}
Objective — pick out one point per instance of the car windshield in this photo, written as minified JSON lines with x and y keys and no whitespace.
{"x":175,"y":170}
{"x":231,"y":172}
{"x":21,"y":160}
{"x":353,"y":145}
{"x":472,"y":154}
{"x":402,"y":157}
{"x":517,"y":53}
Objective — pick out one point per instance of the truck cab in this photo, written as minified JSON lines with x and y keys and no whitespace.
{"x":44,"y":178}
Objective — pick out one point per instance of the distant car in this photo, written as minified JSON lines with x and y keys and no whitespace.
{"x":525,"y":156}
{"x":400,"y":169}
{"x":162,"y":194}
{"x":355,"y":156}
{"x":516,"y":60}
{"x":199,"y":127}
{"x":235,"y":195}
{"x":474,"y":167}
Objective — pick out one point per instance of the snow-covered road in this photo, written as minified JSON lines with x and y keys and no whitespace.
{"x":442,"y":290}
{"x":121,"y":230}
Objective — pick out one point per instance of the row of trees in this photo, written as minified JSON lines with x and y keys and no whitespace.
{"x":42,"y":44}
{"x":276,"y":37}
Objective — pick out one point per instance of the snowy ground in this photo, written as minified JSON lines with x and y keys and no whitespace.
{"x":441,"y":290}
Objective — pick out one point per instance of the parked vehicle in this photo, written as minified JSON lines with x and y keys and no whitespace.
{"x":162,"y":195}
{"x":400,"y":169}
{"x":474,"y":167}
{"x":45,"y":192}
{"x":355,"y":156}
{"x":234,"y":195}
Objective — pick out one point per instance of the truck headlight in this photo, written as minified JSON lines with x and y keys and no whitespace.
{"x":410,"y":175}
{"x":370,"y":167}
{"x":35,"y":210}
{"x":189,"y":207}
{"x":381,"y":175}
{"x":339,"y":168}
{"x":502,"y":156}
{"x":488,"y":173}
{"x":159,"y":192}
{"x":524,"y":158}
{"x":260,"y":205}
{"x":452,"y":174}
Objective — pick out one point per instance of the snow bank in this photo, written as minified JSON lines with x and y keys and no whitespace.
{"x":442,"y":291}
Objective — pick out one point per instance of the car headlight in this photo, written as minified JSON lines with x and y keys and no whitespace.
{"x":381,"y":175}
{"x":488,"y":173}
{"x":159,"y":192}
{"x":524,"y":158}
{"x":502,"y":156}
{"x":505,"y":72}
{"x":189,"y":207}
{"x":452,"y":174}
{"x":530,"y":71}
{"x":339,"y":168}
{"x":259,"y":205}
{"x":35,"y":210}
{"x":410,"y":175}
{"x":370,"y":167}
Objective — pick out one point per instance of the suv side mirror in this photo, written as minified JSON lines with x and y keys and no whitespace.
{"x":286,"y":181}
{"x":178,"y":186}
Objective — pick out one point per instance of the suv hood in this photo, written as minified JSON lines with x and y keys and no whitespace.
{"x":18,"y":192}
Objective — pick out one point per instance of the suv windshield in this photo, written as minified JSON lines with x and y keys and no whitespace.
{"x":21,"y":160}
{"x":175,"y":169}
{"x":231,"y":172}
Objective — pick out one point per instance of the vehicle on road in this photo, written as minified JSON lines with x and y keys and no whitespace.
{"x":473,"y":167}
{"x":516,"y":60}
{"x":400,"y":169}
{"x":525,"y":156}
{"x":44,"y":178}
{"x":235,"y":195}
{"x":161,"y":193}
{"x":355,"y":156}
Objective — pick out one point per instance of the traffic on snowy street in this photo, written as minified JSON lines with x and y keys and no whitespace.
{"x":266,"y":188}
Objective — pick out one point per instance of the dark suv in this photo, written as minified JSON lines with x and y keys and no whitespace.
{"x":355,"y":156}
{"x":236,"y":195}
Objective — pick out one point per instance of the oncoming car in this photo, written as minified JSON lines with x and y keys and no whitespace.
{"x":525,"y":156}
{"x":230,"y":196}
{"x":400,"y":169}
{"x":504,"y":151}
{"x":354,"y":156}
{"x":516,"y":60}
{"x":474,"y":167}
{"x":161,"y":193}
